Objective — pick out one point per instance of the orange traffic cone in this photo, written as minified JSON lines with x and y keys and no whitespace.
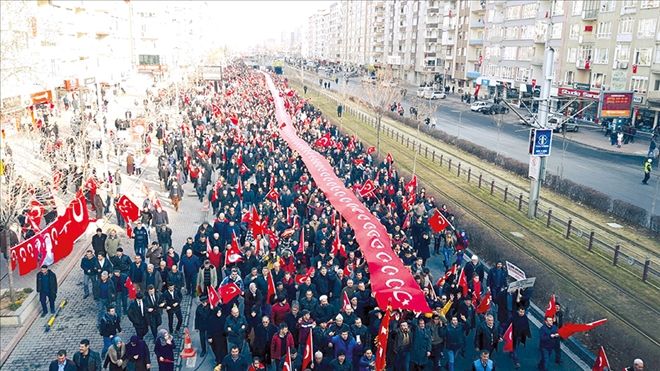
{"x":188,"y":350}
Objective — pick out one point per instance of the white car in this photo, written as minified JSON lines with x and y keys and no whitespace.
{"x":435,"y":95}
{"x":477,"y":106}
{"x":421,"y":92}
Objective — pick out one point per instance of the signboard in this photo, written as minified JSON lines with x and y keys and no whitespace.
{"x":90,"y":81}
{"x":212,"y":73}
{"x":540,"y":142}
{"x":581,"y":86}
{"x":616,"y":105}
{"x":42,"y":97}
{"x":534,"y":167}
{"x":568,"y":92}
{"x":515,"y":272}
{"x":638,"y":99}
{"x":521,"y":285}
{"x":619,"y":80}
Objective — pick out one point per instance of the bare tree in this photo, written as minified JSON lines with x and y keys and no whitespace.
{"x":426,"y":109}
{"x":380,"y":94}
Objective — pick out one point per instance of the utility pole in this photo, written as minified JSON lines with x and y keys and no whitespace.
{"x":544,"y":108}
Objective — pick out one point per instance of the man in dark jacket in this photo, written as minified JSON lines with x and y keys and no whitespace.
{"x":89,"y":273}
{"x":121,"y":292}
{"x":109,"y":326}
{"x":548,"y":338}
{"x":172,"y":299}
{"x":153,"y":304}
{"x":402,"y":346}
{"x":520,"y":328}
{"x":121,"y":261}
{"x":421,"y":346}
{"x":87,"y":359}
{"x":487,"y":336}
{"x":47,"y":289}
{"x":62,"y":363}
{"x":98,"y":241}
{"x":141,"y":239}
{"x":190,"y":265}
{"x":497,"y":279}
{"x":263,"y":334}
{"x":438,"y":333}
{"x":216,"y":335}
{"x":104,"y":293}
{"x":455,"y":341}
{"x":202,"y":315}
{"x":137,"y":314}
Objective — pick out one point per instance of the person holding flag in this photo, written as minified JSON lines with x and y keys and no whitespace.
{"x":519,"y":333}
{"x":548,"y":341}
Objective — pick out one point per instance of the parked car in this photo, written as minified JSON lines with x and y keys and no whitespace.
{"x":479,"y":105}
{"x":390,"y":84}
{"x":368,"y":79}
{"x":435,"y":94}
{"x":561,"y":124}
{"x":495,"y":109}
{"x":421,"y":92}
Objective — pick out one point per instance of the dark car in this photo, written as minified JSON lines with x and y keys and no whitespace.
{"x":493,"y":109}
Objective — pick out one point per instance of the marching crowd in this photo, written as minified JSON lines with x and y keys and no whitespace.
{"x":278,"y":278}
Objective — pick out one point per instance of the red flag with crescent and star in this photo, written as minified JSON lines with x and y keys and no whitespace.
{"x":132,"y":291}
{"x":234,"y":254}
{"x":214,"y":298}
{"x":484,"y":305}
{"x":438,"y":222}
{"x":508,"y":339}
{"x":228,"y":292}
{"x":367,"y":188}
{"x":569,"y":329}
{"x":601,"y":363}
{"x":273,"y":195}
{"x":381,"y":341}
{"x":551,"y":310}
{"x":308,"y":352}
{"x":300,"y":278}
{"x":271,"y":287}
{"x":35,"y":214}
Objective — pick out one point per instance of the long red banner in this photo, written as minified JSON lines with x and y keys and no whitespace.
{"x":391,"y":281}
{"x":54,"y":242}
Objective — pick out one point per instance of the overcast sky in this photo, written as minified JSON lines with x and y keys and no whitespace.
{"x":242,"y":23}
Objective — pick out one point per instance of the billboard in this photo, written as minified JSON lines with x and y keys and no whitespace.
{"x":213,"y":73}
{"x":616,"y":104}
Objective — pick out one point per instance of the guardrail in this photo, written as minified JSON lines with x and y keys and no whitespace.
{"x":557,"y":218}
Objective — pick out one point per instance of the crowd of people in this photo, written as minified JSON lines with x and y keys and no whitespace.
{"x":275,"y":236}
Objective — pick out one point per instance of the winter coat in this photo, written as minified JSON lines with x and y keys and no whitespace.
{"x":93,"y":361}
{"x":279,"y":344}
{"x":118,"y":358}
{"x":421,"y":344}
{"x":51,"y":290}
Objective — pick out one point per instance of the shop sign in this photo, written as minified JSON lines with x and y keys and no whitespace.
{"x":11,"y":103}
{"x":90,"y":81}
{"x":616,"y":105}
{"x":42,"y":97}
{"x":568,"y":92}
{"x":638,"y":99}
{"x":581,"y":86}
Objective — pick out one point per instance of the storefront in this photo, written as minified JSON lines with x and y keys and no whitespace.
{"x":581,"y":103}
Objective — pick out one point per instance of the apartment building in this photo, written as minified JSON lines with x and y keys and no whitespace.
{"x":613,"y":46}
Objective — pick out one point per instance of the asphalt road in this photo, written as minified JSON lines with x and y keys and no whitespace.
{"x":615,"y":174}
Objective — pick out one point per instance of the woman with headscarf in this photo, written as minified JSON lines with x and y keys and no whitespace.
{"x":164,"y":349}
{"x":137,"y":354}
{"x":117,"y":355}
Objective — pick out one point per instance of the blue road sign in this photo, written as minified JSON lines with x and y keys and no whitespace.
{"x":540,"y":142}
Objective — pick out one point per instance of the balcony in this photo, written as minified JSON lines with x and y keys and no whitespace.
{"x":476,"y":41}
{"x":448,"y":41}
{"x":655,"y":67}
{"x":654,"y":96}
{"x":589,"y":14}
{"x":624,"y":37}
{"x":432,"y":20}
{"x":477,"y":24}
{"x":449,"y":12}
{"x":539,"y":38}
{"x":581,"y":64}
{"x":628,"y":10}
{"x":431,"y":69}
{"x":586,"y":38}
{"x":495,"y":39}
{"x":431,"y":35}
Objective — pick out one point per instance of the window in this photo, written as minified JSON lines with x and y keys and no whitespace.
{"x":646,"y":28}
{"x":577,"y":7}
{"x":629,"y":3}
{"x":574,"y":32}
{"x":525,"y":53}
{"x":656,"y":86}
{"x":511,"y":33}
{"x":510,"y":53}
{"x":657,"y":56}
{"x":622,"y":53}
{"x":639,"y":84}
{"x":556,"y":31}
{"x":642,"y":57}
{"x":149,"y":59}
{"x":570,"y":75}
{"x":606,"y":5}
{"x":626,"y":25}
{"x":513,"y":12}
{"x":585,"y":53}
{"x":600,"y":56}
{"x":571,"y":55}
{"x":527,"y":32}
{"x":598,"y":80}
{"x":604,"y":30}
{"x":645,"y":4}
{"x":558,"y":8}
{"x":530,"y":10}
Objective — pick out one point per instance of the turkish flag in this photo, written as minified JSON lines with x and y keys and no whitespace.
{"x":358,"y":161}
{"x":412,"y":184}
{"x":300,"y":278}
{"x":273,"y":195}
{"x":551,"y":310}
{"x":308,"y":352}
{"x":271,"y":287}
{"x":569,"y":329}
{"x":129,"y":230}
{"x":462,"y":282}
{"x":301,"y":242}
{"x":381,"y":341}
{"x":601,"y":363}
{"x":234,"y":119}
{"x":508,"y":339}
{"x":35,"y":214}
{"x":244,"y":169}
{"x":346,"y":302}
{"x":229,"y":292}
{"x":234,"y":254}
{"x":132,"y":291}
{"x":214,"y":298}
{"x":239,"y":189}
{"x":324,"y":141}
{"x":128,"y":209}
{"x":438,"y":222}
{"x":288,"y":364}
{"x":451,"y":271}
{"x":484,"y":305}
{"x":371,"y":150}
{"x":367,"y":188}
{"x":389,"y":158}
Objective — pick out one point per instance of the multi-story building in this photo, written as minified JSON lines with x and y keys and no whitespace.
{"x":609,"y":46}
